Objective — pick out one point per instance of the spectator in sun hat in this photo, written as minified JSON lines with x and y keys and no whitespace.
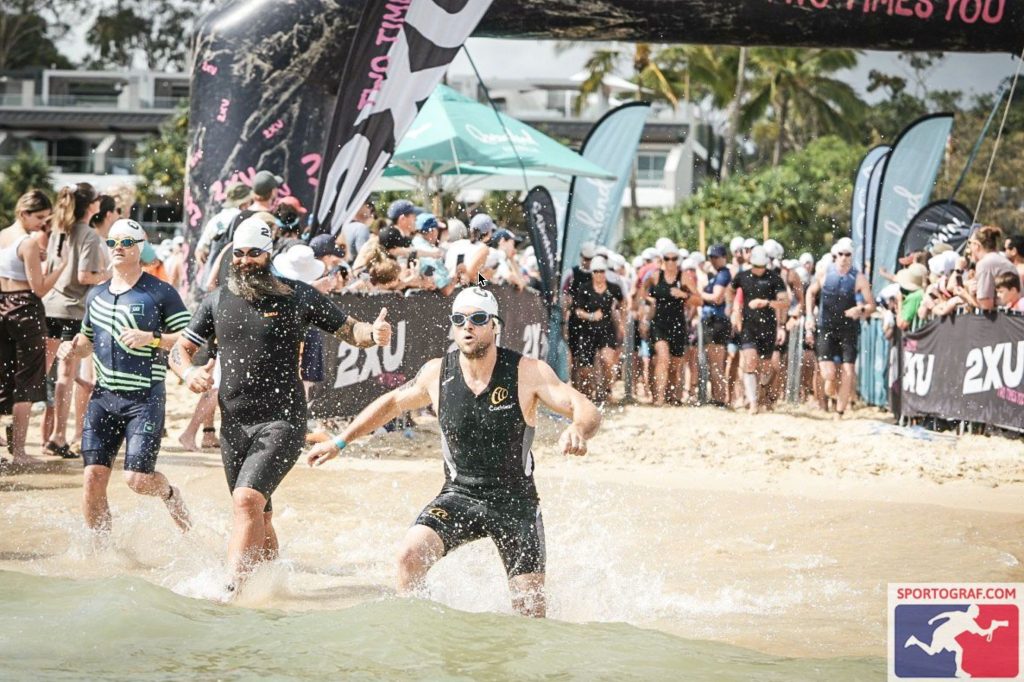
{"x":429,"y":256}
{"x":265,"y":187}
{"x":238,"y":197}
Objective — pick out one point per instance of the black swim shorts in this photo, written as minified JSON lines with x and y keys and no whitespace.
{"x":516,"y":527}
{"x":259,"y":456}
{"x":114,"y":417}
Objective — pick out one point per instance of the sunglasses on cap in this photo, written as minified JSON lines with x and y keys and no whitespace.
{"x":478,"y":319}
{"x":125,"y":243}
{"x":250,"y":253}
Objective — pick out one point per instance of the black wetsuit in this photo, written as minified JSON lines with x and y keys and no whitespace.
{"x":759,"y":325}
{"x":488,"y":463}
{"x":262,"y":401}
{"x":593,"y":336}
{"x":669,"y":323}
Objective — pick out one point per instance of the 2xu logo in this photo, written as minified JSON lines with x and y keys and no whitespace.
{"x":918,"y":370}
{"x":993,"y":367}
{"x":375,"y":360}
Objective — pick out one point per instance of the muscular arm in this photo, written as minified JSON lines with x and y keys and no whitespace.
{"x":356,"y":333}
{"x":869,"y":298}
{"x":411,"y":396}
{"x":563,"y":398}
{"x":811,"y":297}
{"x":180,"y":359}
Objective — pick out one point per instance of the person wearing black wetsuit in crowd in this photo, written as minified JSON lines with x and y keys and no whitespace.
{"x":259,"y":321}
{"x":596,"y":307}
{"x":486,"y":399}
{"x":669,"y":332}
{"x":765,"y":302}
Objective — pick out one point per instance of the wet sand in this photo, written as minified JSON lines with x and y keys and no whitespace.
{"x":777,"y":533}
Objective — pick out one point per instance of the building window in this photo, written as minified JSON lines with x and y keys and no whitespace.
{"x":650,"y":166}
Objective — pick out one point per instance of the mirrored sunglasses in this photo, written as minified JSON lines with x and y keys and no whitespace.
{"x":125,"y":243}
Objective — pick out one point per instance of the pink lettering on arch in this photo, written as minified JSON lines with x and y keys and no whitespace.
{"x":969,"y":12}
{"x":209,"y":68}
{"x":222,"y":114}
{"x":273,"y":129}
{"x":312,"y":163}
{"x":192,"y":210}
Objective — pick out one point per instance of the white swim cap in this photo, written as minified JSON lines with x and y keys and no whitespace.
{"x":474,"y":298}
{"x":127,"y":228}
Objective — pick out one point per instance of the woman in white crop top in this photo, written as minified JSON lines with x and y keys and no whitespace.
{"x":22,"y":318}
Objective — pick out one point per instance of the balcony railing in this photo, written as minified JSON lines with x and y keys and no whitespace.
{"x":88,"y":102}
{"x":115,"y":165}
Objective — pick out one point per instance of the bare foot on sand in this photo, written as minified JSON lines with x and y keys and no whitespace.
{"x":187,"y":441}
{"x":210,"y":440}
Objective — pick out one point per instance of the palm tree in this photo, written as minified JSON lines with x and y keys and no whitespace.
{"x":796,"y":86}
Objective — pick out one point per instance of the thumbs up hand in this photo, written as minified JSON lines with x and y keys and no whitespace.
{"x":200,"y":379}
{"x":381,"y":332}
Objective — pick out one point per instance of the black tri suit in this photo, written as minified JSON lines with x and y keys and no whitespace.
{"x":489,"y":489}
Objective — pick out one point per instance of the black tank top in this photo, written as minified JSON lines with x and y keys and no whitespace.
{"x":668,"y":310}
{"x":485,"y":439}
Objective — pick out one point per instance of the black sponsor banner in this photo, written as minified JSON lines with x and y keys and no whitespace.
{"x":966,"y":368}
{"x":399,"y":54}
{"x":543,"y":221}
{"x":943,"y":221}
{"x":357,"y":376}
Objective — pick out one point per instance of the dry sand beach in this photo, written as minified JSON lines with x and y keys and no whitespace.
{"x":777,"y":533}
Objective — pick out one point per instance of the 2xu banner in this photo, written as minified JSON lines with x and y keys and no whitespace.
{"x":357,"y":376}
{"x":966,"y":368}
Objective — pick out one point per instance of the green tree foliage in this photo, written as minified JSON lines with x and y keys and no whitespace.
{"x":156,"y":34}
{"x":161,"y":163}
{"x":806,"y":199}
{"x":26,"y":171}
{"x":30,"y":29}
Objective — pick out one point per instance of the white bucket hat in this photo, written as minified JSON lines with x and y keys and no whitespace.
{"x":299,"y":263}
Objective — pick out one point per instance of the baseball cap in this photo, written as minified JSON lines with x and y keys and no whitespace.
{"x":717,"y":251}
{"x":324,"y":245}
{"x":588,"y":250}
{"x":475,"y":298}
{"x":482,"y":223}
{"x":236,"y":195}
{"x":758,"y":257}
{"x":251,"y":233}
{"x":264,"y":182}
{"x":294,"y":203}
{"x":425,"y":222}
{"x":506,"y":234}
{"x":399,"y":208}
{"x":736,"y":245}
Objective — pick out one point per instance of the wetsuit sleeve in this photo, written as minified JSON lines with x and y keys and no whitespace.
{"x":201,"y":328}
{"x":723,"y":278}
{"x":174,"y":316}
{"x":320,"y":311}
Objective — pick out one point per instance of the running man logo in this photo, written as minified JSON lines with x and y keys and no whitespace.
{"x":499,"y":395}
{"x":956,"y":640}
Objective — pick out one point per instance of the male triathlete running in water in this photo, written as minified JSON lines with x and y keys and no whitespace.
{"x":838,"y":321}
{"x":259,"y":321}
{"x":764,"y":308}
{"x":486,"y":400}
{"x":128,"y":319}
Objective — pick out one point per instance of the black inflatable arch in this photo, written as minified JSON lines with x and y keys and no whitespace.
{"x":266,"y":73}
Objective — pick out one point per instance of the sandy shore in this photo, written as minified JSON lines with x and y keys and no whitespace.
{"x":777,"y":533}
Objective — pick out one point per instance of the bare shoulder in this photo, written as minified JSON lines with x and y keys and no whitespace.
{"x":429,"y":372}
{"x":536,"y":372}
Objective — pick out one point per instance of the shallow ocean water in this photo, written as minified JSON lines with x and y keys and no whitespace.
{"x":126,"y":628}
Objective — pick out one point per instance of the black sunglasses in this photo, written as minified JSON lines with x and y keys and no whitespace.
{"x":125,"y":243}
{"x":250,"y":253}
{"x":478,"y":319}
{"x":671,"y":258}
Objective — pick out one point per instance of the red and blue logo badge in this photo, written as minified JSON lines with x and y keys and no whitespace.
{"x":935,"y":639}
